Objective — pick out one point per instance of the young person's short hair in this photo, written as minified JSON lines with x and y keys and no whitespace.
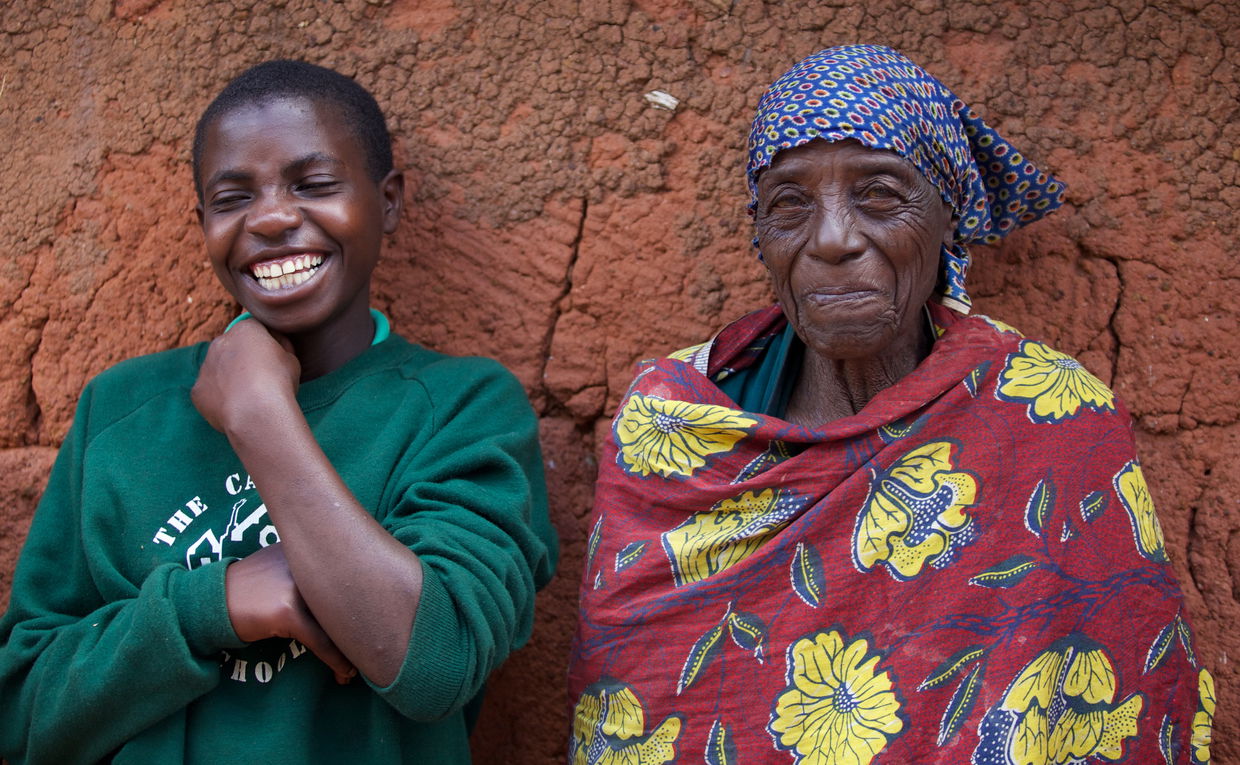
{"x":274,"y":80}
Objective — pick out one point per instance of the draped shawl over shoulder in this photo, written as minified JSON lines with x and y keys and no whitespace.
{"x":970,"y":569}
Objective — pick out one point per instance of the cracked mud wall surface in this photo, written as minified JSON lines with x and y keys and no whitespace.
{"x":559,"y":222}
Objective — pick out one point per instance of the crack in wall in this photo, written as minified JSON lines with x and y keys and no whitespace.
{"x":1111,"y":320}
{"x":1233,"y":571}
{"x":1191,"y":544}
{"x":34,"y":410}
{"x":1188,"y":386}
{"x":27,"y":281}
{"x":566,"y":288}
{"x":1117,"y":345}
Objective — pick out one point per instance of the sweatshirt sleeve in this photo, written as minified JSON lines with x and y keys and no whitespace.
{"x":81,"y":674}
{"x":473,"y":508}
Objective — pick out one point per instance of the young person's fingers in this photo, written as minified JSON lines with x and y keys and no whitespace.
{"x":259,"y":341}
{"x":262,"y":598}
{"x":263,"y":602}
{"x":245,"y":369}
{"x":312,"y":636}
{"x":284,"y":342}
{"x":256,"y":589}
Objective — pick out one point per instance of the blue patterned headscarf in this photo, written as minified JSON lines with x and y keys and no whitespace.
{"x":879,"y":97}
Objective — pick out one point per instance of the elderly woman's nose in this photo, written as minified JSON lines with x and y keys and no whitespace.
{"x":835,"y":235}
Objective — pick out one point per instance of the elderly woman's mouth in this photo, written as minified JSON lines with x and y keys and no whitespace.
{"x":841,"y":295}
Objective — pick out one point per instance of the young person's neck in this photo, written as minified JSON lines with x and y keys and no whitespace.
{"x":328,"y":348}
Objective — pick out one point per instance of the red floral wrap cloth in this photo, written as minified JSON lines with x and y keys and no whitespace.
{"x":970,"y":569}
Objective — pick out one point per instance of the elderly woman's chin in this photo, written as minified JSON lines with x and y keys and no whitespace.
{"x":843,"y":341}
{"x":857,"y":328}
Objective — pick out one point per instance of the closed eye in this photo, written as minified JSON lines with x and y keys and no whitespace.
{"x":225,"y":201}
{"x":318,"y":188}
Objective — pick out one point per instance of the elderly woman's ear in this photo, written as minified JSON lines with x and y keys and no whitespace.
{"x":949,"y":236}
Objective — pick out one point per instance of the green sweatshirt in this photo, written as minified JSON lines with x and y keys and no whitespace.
{"x":117,"y":638}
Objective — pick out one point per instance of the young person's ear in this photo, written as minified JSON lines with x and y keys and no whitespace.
{"x":392,"y":190}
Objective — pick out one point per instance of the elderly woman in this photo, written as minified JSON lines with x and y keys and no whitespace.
{"x":861,"y":525}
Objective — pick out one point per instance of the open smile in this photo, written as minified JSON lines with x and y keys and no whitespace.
{"x":286,"y":272}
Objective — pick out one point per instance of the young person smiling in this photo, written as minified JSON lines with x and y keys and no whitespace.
{"x":232,"y":531}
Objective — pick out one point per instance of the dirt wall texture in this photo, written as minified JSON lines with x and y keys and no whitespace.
{"x":560,"y":222}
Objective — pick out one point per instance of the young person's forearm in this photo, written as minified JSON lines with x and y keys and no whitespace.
{"x":361,"y":584}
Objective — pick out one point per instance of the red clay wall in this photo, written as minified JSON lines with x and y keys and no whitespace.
{"x":562,"y":224}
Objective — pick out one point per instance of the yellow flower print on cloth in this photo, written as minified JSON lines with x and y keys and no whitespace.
{"x":609,"y":728}
{"x":675,"y":438}
{"x":1054,"y":385}
{"x":838,"y":708}
{"x":687,"y":354}
{"x":1203,"y":721}
{"x":915,"y":513}
{"x":714,"y":540}
{"x":1134,"y":495}
{"x":1060,"y":708}
{"x":1000,"y":326}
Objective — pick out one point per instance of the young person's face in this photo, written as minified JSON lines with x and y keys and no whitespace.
{"x":293,"y":222}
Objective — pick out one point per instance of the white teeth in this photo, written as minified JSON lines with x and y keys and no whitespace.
{"x":278,"y":275}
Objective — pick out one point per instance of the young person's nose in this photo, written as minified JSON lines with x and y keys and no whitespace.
{"x":273,"y":214}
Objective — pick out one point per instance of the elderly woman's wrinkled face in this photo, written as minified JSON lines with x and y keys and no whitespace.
{"x":851,"y":237}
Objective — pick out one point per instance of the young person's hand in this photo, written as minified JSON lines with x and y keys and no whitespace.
{"x":263,"y":602}
{"x":363,"y":584}
{"x":246,"y":370}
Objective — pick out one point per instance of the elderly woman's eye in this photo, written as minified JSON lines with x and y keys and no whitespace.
{"x":786,"y":200}
{"x":879,"y":191}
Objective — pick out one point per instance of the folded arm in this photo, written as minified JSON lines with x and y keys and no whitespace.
{"x":80,"y":673}
{"x":430,"y":597}
{"x":361,"y":585}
